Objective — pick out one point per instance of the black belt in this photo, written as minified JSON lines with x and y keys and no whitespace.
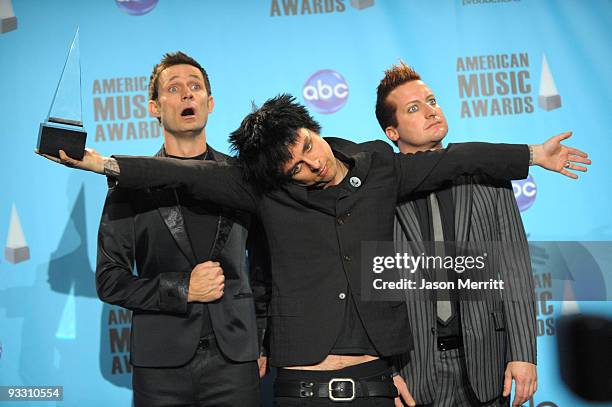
{"x":337,"y":389}
{"x":449,"y":342}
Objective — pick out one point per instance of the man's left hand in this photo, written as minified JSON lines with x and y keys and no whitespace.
{"x":554,"y":156}
{"x":525,"y":381}
{"x":92,"y":160}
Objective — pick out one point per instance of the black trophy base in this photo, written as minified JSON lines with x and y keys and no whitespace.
{"x":53,"y":137}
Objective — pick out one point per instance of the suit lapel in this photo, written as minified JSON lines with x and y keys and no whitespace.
{"x":224,"y":227}
{"x":407,"y":218}
{"x":412,"y":236}
{"x":462,"y":197}
{"x":170,"y":211}
{"x":361,"y":163}
{"x":166,"y":201}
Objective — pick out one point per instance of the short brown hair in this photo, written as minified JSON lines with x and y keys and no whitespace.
{"x":171,"y":59}
{"x":395,"y":76}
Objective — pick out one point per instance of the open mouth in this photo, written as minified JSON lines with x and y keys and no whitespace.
{"x":188,"y":112}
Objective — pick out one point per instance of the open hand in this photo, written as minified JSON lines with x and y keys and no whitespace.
{"x":92,"y":160}
{"x":554,"y":156}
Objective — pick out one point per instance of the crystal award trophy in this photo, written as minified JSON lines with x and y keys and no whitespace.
{"x":63,"y":129}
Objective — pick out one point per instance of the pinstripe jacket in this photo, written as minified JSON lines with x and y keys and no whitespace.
{"x":494,"y":331}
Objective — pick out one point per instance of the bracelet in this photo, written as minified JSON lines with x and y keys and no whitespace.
{"x":111,"y":168}
{"x":530,"y":146}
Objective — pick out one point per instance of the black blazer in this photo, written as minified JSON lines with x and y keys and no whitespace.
{"x":315,"y":252}
{"x":145,"y":229}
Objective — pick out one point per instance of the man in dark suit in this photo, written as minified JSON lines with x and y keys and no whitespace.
{"x":194,"y":338}
{"x":466,"y":353}
{"x":318,"y":199}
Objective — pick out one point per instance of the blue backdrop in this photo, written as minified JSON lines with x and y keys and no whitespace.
{"x":331,"y":55}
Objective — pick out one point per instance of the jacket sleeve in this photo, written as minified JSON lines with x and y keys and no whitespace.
{"x":220,"y":183}
{"x":515,"y":270}
{"x":116,"y":282}
{"x":429,"y":171}
{"x":260,"y":278}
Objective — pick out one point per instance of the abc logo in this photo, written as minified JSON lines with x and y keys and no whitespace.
{"x":525,"y":192}
{"x":326,"y":91}
{"x":136,"y":7}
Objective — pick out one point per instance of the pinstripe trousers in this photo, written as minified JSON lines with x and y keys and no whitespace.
{"x":452,"y":385}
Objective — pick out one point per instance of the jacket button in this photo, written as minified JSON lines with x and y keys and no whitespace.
{"x":347,"y":258}
{"x":342,"y":296}
{"x":340,"y":221}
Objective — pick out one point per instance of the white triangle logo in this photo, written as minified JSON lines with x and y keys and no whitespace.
{"x":67,"y":326}
{"x":548,"y":96}
{"x":16,"y":249}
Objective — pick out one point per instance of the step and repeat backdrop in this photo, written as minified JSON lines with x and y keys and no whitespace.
{"x":515,"y":71}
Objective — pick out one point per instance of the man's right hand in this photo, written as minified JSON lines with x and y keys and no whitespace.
{"x":92,"y":160}
{"x":262,"y":364}
{"x":404,"y":394}
{"x":206,"y":283}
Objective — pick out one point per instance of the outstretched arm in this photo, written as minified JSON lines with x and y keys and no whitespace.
{"x":554,"y":156}
{"x":219,"y":183}
{"x":428,"y":171}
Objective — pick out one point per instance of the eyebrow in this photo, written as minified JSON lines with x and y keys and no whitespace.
{"x":416,"y":100}
{"x":190,"y":76}
{"x":306,"y":141}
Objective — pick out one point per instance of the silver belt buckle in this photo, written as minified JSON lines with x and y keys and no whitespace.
{"x":337,"y":380}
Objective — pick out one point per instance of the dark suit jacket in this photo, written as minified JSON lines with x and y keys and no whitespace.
{"x":145,"y":229}
{"x":494,"y":331}
{"x":316,"y":252}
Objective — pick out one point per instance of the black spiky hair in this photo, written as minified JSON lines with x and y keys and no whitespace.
{"x":262,"y":141}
